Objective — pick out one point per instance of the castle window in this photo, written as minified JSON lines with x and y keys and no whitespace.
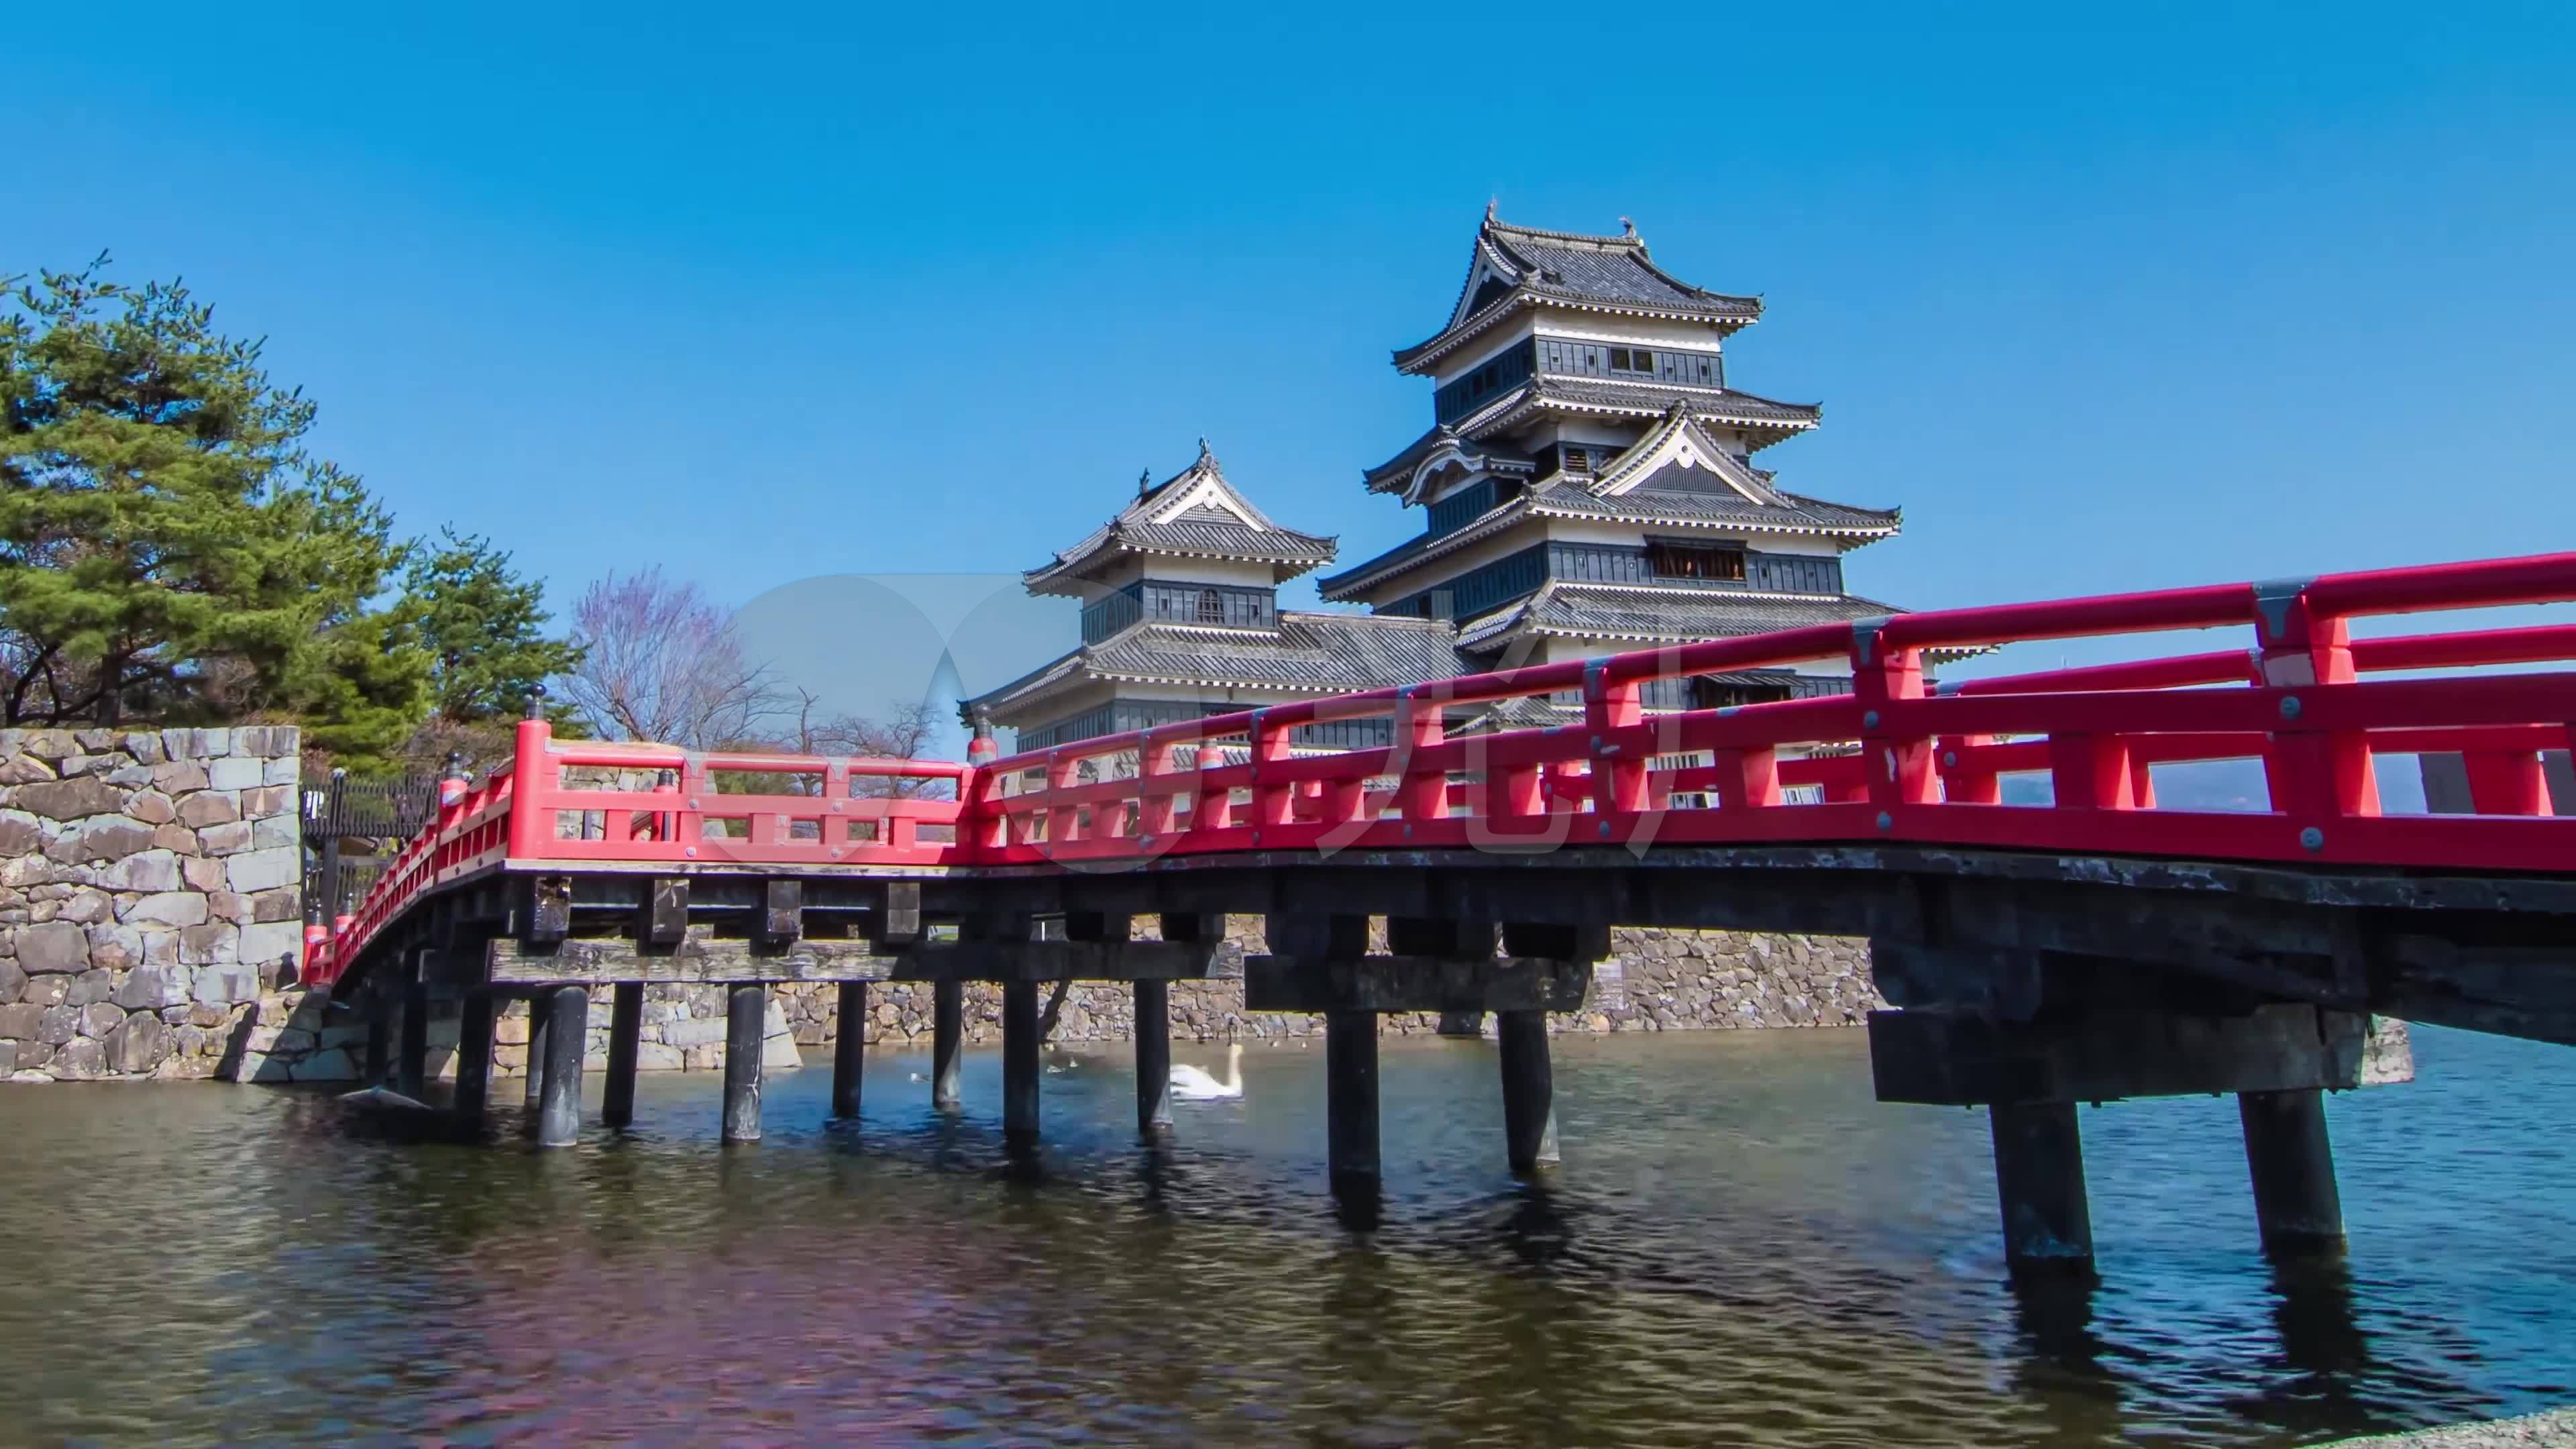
{"x":1578,"y":460}
{"x":1631,"y":359}
{"x":1212,"y":604}
{"x":1695,"y":561}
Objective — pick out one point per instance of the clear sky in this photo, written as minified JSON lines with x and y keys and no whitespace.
{"x":759,"y":293}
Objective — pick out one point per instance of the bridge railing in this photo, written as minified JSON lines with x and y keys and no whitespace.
{"x":603,"y":804}
{"x":1888,"y":762}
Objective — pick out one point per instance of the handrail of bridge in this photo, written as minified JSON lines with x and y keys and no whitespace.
{"x":1888,"y":762}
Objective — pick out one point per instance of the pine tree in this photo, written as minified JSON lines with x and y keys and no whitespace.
{"x":483,"y":628}
{"x":168,"y":546}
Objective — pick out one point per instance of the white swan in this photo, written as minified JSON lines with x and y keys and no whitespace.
{"x":1190,"y":1082}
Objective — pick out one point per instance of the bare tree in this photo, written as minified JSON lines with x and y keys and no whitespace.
{"x":900,"y":736}
{"x":663,"y":663}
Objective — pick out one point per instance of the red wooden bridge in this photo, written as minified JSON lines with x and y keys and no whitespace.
{"x":2091,"y":944}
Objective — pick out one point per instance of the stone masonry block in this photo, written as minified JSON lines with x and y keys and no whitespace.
{"x":271,"y":941}
{"x":236,"y":772}
{"x":224,"y":984}
{"x":169,"y":908}
{"x":150,"y":870}
{"x":54,"y":946}
{"x":260,"y":870}
{"x":209,"y":807}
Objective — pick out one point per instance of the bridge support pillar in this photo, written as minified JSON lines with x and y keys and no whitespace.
{"x":1020,"y":1065}
{"x":947,"y":1042}
{"x":567,"y":1010}
{"x":1153,"y":1058}
{"x":2292,"y":1161}
{"x":1529,"y":1090}
{"x":625,"y":1041}
{"x":411,"y":1059}
{"x":2039,"y":1182}
{"x":1350,"y":1101}
{"x":474,"y":1060}
{"x":379,"y":1038}
{"x":746,"y":1034}
{"x":536,"y":1083}
{"x":848,"y":1048}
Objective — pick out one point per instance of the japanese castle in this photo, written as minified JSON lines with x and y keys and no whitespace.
{"x":1587,"y":486}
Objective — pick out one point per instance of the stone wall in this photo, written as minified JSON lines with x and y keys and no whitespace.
{"x":150,"y":893}
{"x":1657,"y":980}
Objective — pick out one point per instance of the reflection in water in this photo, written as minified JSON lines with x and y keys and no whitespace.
{"x":1741,"y":1248}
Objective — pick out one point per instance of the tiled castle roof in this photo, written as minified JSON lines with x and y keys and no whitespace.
{"x":1309,"y":653}
{"x":1195,"y":513}
{"x":1651,"y":614}
{"x":1523,"y":267}
{"x":1560,"y":499}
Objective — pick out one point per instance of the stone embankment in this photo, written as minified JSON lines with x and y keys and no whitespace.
{"x":1656,"y":980}
{"x":150,"y":890}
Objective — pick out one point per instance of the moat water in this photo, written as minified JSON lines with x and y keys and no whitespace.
{"x":1742,"y":1248}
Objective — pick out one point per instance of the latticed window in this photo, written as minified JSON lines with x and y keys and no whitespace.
{"x":1211,"y":607}
{"x":1692,"y":561}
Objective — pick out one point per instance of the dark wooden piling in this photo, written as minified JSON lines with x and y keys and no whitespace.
{"x":848,"y":1048}
{"x":411,"y":1058}
{"x":2296,"y":1204}
{"x":947,"y":1041}
{"x":474,"y":1059}
{"x":1350,"y":1100}
{"x":1529,"y":1090}
{"x":567,"y":1012}
{"x":1153,"y":1057}
{"x":2039,"y":1183}
{"x":536,"y":1056}
{"x":1020,"y":1064}
{"x":625,"y":1044}
{"x":746,"y":1033}
{"x":380,"y":1052}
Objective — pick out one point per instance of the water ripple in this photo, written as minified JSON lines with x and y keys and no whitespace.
{"x":1742,"y":1249}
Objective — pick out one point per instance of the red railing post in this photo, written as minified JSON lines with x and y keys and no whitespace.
{"x":1419,"y":794}
{"x":1273,"y":801}
{"x":532,"y":788}
{"x":2314,"y":775}
{"x":1897,"y":765}
{"x":1618,"y":783}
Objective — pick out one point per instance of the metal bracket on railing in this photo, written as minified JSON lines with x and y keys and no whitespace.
{"x":1865,"y":634}
{"x":2273,"y":600}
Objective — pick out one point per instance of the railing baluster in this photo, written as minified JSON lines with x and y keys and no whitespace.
{"x":2506,"y":783}
{"x":1747,"y":779}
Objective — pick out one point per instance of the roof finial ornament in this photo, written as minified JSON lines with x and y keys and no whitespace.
{"x":1490,"y":203}
{"x":1144,"y":481}
{"x":1205,"y":455}
{"x":1628,"y":228}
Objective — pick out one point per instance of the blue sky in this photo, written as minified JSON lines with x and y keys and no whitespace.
{"x":2104,"y":302}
